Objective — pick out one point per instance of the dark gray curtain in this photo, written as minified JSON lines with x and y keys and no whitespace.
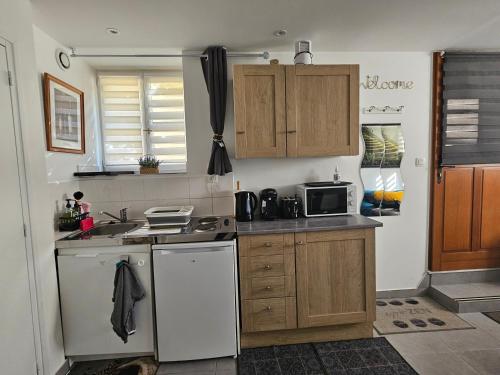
{"x":215,"y":72}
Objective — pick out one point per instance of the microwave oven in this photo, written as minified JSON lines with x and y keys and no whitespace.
{"x":327,"y":198}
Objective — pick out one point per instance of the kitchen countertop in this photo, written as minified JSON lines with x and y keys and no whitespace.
{"x":312,"y":224}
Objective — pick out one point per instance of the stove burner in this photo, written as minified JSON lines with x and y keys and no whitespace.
{"x":205,"y":228}
{"x":208,"y":220}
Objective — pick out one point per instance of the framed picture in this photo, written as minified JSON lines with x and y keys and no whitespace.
{"x":64,"y":116}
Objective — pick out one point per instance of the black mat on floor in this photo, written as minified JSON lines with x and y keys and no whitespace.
{"x":122,"y":366}
{"x":366,"y":356}
{"x":494,"y":315}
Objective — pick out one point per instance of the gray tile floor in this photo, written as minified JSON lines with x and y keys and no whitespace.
{"x":472,"y":351}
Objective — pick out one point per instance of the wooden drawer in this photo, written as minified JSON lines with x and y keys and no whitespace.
{"x":267,"y":287}
{"x":267,"y":244}
{"x":264,"y":266}
{"x":269,"y":314}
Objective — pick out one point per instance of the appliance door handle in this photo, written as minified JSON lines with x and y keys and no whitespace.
{"x":193,"y":245}
{"x":255,"y":200}
{"x":194,"y":250}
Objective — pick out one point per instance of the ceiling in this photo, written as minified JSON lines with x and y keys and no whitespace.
{"x":248,"y":25}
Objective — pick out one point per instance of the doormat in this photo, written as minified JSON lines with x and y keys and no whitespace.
{"x":494,"y":315}
{"x":121,"y":366}
{"x":419,"y":314}
{"x":365,"y":356}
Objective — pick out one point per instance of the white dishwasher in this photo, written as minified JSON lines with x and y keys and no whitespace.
{"x":196,"y":300}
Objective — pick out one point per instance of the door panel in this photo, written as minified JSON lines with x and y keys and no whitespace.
{"x":334,"y":279}
{"x":490,"y":209}
{"x":17,"y":348}
{"x":322,"y":110}
{"x":259,"y":111}
{"x":457,"y":217}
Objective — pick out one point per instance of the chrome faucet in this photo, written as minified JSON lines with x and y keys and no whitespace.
{"x":121,"y":219}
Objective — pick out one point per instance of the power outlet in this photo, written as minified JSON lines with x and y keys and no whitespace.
{"x":419,"y":162}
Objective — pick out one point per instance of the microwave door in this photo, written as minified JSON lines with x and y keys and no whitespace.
{"x":327,"y":201}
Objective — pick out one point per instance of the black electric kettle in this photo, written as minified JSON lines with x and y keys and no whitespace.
{"x":246,"y":203}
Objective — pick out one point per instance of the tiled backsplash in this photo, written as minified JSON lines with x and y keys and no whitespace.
{"x":138,"y":193}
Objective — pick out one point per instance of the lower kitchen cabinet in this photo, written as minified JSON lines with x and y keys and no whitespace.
{"x":310,"y":286}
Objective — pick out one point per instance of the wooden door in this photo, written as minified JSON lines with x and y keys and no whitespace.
{"x":487,"y":221}
{"x":322,"y":110}
{"x":259,"y":111}
{"x":335,"y":277}
{"x":465,"y":233}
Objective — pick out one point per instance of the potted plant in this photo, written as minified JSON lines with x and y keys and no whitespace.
{"x":149,"y":164}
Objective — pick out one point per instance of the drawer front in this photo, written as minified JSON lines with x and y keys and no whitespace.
{"x":265,"y":266}
{"x":267,"y":287}
{"x":268,"y":244}
{"x":269,"y":314}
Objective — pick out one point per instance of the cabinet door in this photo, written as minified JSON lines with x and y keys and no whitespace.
{"x":259,"y":111}
{"x":335,"y":277}
{"x":322,"y":110}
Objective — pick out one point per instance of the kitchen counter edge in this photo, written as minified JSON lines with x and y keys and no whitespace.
{"x":315,"y":224}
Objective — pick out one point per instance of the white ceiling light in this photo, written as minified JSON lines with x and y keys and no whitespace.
{"x":280,"y":33}
{"x":112,"y":30}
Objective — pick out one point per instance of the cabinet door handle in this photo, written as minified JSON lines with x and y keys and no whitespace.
{"x":300,"y":242}
{"x":267,"y":267}
{"x":268,"y":244}
{"x":268,"y":308}
{"x":292,"y":131}
{"x":269,"y":287}
{"x":240,"y":132}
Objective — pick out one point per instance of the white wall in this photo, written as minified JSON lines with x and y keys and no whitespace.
{"x":16,"y":26}
{"x":60,"y":166}
{"x":402,"y":242}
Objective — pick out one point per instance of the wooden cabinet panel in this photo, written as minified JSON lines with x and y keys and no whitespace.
{"x":335,"y":278}
{"x":259,"y":111}
{"x":490,"y":208}
{"x":457,"y":202}
{"x":322,"y":110}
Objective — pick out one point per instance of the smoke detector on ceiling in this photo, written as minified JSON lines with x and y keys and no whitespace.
{"x":112,"y":30}
{"x":280,"y":33}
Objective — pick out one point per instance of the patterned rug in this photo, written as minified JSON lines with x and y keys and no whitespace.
{"x":122,"y":366}
{"x":365,"y":356}
{"x":419,"y":314}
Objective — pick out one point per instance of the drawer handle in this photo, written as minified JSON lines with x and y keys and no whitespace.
{"x":240,"y":132}
{"x":268,"y":308}
{"x":267,"y":267}
{"x":269,"y":287}
{"x":300,"y":243}
{"x":291,"y":131}
{"x":268,"y":244}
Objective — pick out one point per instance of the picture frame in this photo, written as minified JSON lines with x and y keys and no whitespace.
{"x":64,"y":116}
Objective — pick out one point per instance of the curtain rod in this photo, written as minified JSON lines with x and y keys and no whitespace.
{"x":264,"y":55}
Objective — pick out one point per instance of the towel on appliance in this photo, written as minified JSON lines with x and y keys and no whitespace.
{"x":128,"y":290}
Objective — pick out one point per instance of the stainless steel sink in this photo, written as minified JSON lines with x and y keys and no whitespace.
{"x":111,"y":229}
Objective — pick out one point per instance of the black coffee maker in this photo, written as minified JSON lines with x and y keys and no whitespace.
{"x":269,"y":204}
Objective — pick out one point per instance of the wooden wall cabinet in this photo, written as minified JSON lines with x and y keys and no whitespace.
{"x":300,"y":287}
{"x":465,"y":230}
{"x":296,"y":110}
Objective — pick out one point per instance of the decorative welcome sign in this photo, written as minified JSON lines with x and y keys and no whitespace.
{"x":375,"y":83}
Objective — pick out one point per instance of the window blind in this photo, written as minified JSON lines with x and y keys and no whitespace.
{"x":143,"y":114}
{"x":164,"y":99}
{"x":471,"y":109}
{"x":122,"y":122}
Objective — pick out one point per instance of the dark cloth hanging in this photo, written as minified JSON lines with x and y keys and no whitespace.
{"x":215,"y":72}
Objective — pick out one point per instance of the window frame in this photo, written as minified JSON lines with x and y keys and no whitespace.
{"x":145,"y":130}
